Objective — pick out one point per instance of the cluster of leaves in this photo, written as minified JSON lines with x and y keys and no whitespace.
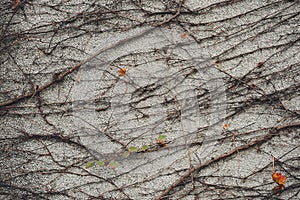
{"x":160,"y":140}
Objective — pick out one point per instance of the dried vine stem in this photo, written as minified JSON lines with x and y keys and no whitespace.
{"x":62,"y":75}
{"x":255,"y":50}
{"x":258,"y":141}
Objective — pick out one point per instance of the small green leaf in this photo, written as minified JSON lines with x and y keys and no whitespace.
{"x":145,"y":147}
{"x":126,"y":154}
{"x":162,"y":137}
{"x":133,"y":149}
{"x":89,"y":164}
{"x":113,"y":164}
{"x":100,"y":163}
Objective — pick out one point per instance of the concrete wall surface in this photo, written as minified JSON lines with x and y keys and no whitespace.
{"x":149,"y":99}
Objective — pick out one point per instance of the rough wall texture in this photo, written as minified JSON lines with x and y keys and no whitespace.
{"x":210,"y":95}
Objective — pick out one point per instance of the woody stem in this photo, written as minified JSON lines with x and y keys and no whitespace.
{"x":273,"y":161}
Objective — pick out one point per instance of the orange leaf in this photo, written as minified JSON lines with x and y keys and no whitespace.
{"x":279,"y":178}
{"x":122,"y":71}
{"x":183,"y":35}
{"x":225,"y":126}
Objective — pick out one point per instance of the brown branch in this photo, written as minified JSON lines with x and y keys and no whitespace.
{"x":258,"y":141}
{"x":59,"y":77}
